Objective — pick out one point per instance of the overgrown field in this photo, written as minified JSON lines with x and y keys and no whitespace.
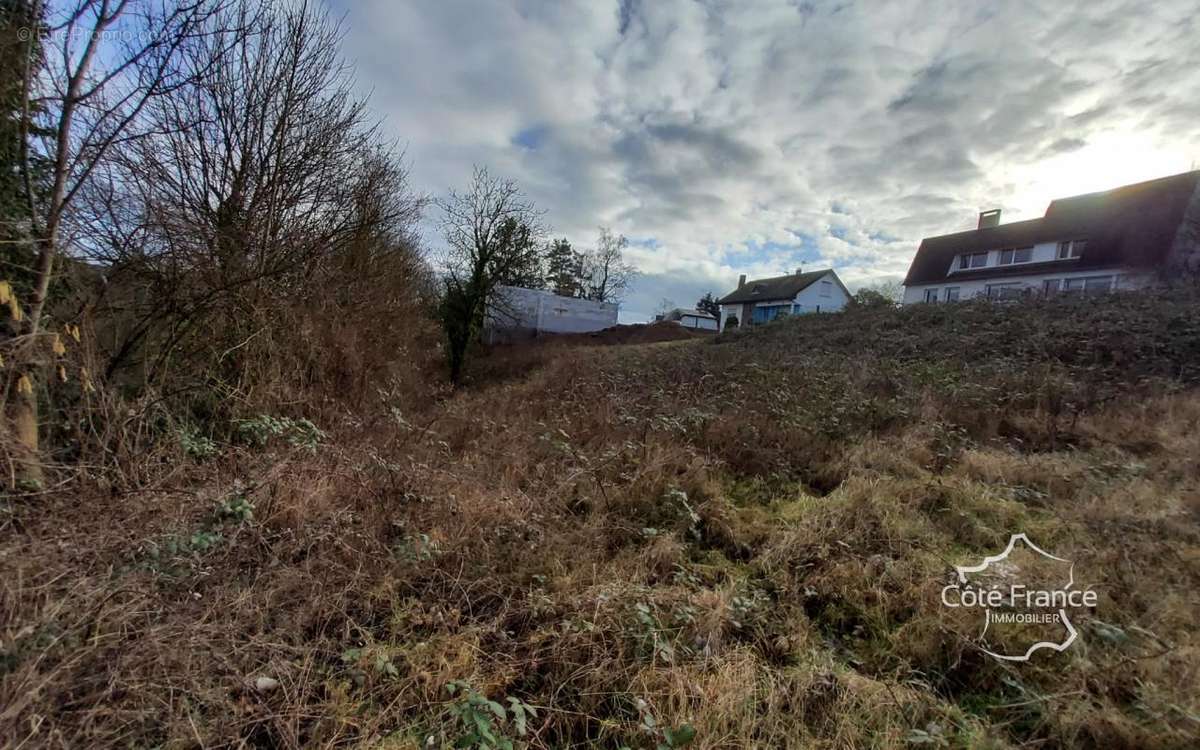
{"x":729,"y":543}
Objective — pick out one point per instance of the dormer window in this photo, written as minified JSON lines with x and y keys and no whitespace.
{"x":1016,"y":255}
{"x":1069,"y":249}
{"x":972,"y":260}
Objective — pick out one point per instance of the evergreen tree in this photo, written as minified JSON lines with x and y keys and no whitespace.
{"x":563,"y":269}
{"x":20,"y":59}
{"x":521,"y":261}
{"x":709,"y":305}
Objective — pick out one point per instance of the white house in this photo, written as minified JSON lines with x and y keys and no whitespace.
{"x":1121,"y":239}
{"x":516,"y":312}
{"x":762,"y":300}
{"x":688,"y":318}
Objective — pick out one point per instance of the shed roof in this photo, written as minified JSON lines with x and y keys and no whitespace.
{"x":681,"y":311}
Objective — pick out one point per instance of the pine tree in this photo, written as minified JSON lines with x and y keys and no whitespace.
{"x":522,"y":260}
{"x":709,"y":305}
{"x":563,"y":268}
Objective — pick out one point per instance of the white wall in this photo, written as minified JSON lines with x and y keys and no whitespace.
{"x":727,"y":310}
{"x":695,"y":321}
{"x":810,"y":298}
{"x":545,"y":312}
{"x":1125,"y":279}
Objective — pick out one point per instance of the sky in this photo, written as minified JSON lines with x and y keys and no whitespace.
{"x":759,"y":136}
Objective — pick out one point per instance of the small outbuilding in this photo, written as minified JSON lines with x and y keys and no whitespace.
{"x":688,"y":318}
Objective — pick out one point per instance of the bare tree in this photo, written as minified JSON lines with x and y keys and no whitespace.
{"x":493,"y":237}
{"x":606,"y":275}
{"x":106,"y":62}
{"x":260,"y":171}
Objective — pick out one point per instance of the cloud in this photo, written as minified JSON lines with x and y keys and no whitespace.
{"x":1065,"y":145}
{"x":731,"y":137}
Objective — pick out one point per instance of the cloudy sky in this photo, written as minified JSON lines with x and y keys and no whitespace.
{"x":756,"y":136}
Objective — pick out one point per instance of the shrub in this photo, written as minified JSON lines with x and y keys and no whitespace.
{"x":299,"y":433}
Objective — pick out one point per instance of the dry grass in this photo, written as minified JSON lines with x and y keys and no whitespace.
{"x":747,"y":536}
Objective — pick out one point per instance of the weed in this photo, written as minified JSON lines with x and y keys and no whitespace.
{"x":664,"y":737}
{"x":931,"y":736}
{"x":360,"y":661}
{"x":236,"y":508}
{"x":197,"y":445}
{"x":299,"y":433}
{"x":483,"y":724}
{"x":419,"y":548}
{"x":655,"y":641}
{"x":748,"y":607}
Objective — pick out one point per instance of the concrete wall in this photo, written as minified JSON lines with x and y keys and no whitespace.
{"x":695,"y":321}
{"x":534,"y":311}
{"x":823,"y":295}
{"x":1125,"y":279}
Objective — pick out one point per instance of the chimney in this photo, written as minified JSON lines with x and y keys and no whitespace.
{"x":989,"y":218}
{"x":741,"y":281}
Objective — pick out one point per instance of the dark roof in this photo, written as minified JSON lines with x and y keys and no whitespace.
{"x":679,"y":312}
{"x":1133,"y":226}
{"x":778,"y":287}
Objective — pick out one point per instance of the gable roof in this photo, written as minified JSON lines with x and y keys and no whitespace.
{"x":1134,"y":225}
{"x":776,"y":287}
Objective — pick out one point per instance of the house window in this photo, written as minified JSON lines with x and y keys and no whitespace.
{"x":1016,"y":255}
{"x":1089,"y":285}
{"x":1005,"y":291}
{"x":826,"y":288}
{"x":1051,"y":286}
{"x":767,"y":313}
{"x":952,"y":294}
{"x":931,"y":295}
{"x":972,"y":260}
{"x":1071,"y":249}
